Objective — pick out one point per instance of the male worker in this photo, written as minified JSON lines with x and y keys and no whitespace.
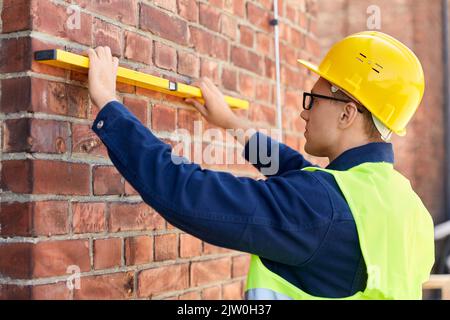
{"x":353,"y":230}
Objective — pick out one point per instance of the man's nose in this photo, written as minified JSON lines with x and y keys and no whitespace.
{"x":305,"y":115}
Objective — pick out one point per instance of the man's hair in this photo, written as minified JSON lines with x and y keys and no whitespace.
{"x":370,"y":128}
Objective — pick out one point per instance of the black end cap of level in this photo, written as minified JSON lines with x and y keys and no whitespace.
{"x":45,"y":55}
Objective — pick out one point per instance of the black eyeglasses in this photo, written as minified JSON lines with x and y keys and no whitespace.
{"x":308,"y":100}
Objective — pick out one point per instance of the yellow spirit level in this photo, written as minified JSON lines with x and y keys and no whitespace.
{"x":72,"y":61}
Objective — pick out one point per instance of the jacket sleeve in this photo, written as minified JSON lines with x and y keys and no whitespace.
{"x":255,"y":216}
{"x":271,"y":157}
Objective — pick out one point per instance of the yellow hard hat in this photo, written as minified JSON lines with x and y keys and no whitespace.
{"x":380,"y":72}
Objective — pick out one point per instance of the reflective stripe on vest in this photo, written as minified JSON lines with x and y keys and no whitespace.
{"x":395,"y":232}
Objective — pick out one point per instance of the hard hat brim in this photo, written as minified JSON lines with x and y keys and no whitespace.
{"x":314,"y":68}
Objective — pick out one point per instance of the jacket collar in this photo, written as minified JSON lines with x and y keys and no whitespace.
{"x":372,"y":152}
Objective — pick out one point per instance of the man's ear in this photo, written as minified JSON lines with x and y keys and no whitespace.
{"x":348,"y":115}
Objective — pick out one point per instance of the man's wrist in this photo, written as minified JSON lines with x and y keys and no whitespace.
{"x":102,"y":103}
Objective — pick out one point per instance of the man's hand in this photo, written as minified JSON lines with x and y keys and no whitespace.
{"x":215,"y":110}
{"x":102,"y":76}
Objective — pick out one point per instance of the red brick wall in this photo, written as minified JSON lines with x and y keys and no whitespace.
{"x":62,"y":201}
{"x":419,"y":155}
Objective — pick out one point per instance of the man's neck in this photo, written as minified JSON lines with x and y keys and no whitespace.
{"x":347,"y":144}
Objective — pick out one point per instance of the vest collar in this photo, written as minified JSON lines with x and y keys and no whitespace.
{"x":372,"y":152}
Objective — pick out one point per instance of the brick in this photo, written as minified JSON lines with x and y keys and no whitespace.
{"x":247,"y":59}
{"x":16,"y":176}
{"x":263,"y":114}
{"x":163,"y":279}
{"x":107,"y":34}
{"x":163,"y":118}
{"x":52,"y":258}
{"x":35,"y":135}
{"x":16,"y":94}
{"x":62,"y":23}
{"x":204,"y":272}
{"x":16,"y":219}
{"x":188,"y":9}
{"x":212,"y":293}
{"x":210,"y":17}
{"x":288,"y":54}
{"x":138,"y":48}
{"x":58,"y":98}
{"x":126,"y":217}
{"x":258,"y":17}
{"x":107,"y":181}
{"x":246,"y":36}
{"x":240,"y":266}
{"x":15,"y":292}
{"x":297,"y":39}
{"x":138,"y":107}
{"x":107,"y":253}
{"x":228,"y":27}
{"x":15,"y":54}
{"x":190,"y":246}
{"x":239,"y":8}
{"x":270,"y":68}
{"x":88,"y":217}
{"x":85,"y":140}
{"x":285,"y":33}
{"x":232,"y":291}
{"x":209,"y":69}
{"x":268,"y":5}
{"x":138,"y":250}
{"x":109,"y":287}
{"x":188,"y":64}
{"x":217,"y":3}
{"x":291,"y":13}
{"x":123,"y":11}
{"x":194,"y":295}
{"x":57,"y":177}
{"x":43,"y":176}
{"x":246,"y":85}
{"x":290,"y":141}
{"x":229,"y":79}
{"x":51,"y":218}
{"x":207,"y":43}
{"x":56,"y":291}
{"x":166,"y":247}
{"x":187,"y":119}
{"x":211,"y":249}
{"x":15,"y":15}
{"x":291,"y":78}
{"x":16,"y":261}
{"x":163,"y":25}
{"x":262,"y":91}
{"x":129,"y":190}
{"x":165,"y":57}
{"x":264,"y":44}
{"x":170,"y":5}
{"x":293,"y":100}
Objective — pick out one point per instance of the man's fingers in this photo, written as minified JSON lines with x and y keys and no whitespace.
{"x":212,"y":86}
{"x":201,"y":108}
{"x":91,"y":53}
{"x":108,"y":52}
{"x":100,"y":52}
{"x":115,"y":61}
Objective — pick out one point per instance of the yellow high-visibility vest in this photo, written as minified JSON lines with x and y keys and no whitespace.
{"x":395,"y":232}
